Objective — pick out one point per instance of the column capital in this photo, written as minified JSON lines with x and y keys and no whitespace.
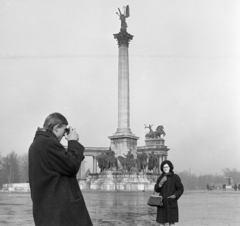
{"x":123,"y":38}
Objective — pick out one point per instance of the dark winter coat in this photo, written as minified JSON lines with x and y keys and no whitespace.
{"x":57,"y":198}
{"x":173,"y":186}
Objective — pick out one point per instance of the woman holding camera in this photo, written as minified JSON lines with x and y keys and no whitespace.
{"x":170,"y":187}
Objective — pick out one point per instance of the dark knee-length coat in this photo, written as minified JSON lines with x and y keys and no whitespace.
{"x":173,"y":186}
{"x":57,"y":198}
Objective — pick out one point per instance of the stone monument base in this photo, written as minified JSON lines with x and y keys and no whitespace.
{"x":131,"y":182}
{"x":122,"y":143}
{"x":83,"y":184}
{"x":105,"y":181}
{"x":116,"y":180}
{"x":154,"y":141}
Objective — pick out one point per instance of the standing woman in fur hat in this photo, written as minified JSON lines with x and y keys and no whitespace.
{"x":170,"y":187}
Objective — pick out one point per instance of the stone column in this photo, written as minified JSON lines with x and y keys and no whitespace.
{"x":94,"y":164}
{"x":160,"y":162}
{"x":82,"y":169}
{"x":123,"y":140}
{"x":123,"y":39}
{"x":123,"y":90}
{"x":147,"y":164}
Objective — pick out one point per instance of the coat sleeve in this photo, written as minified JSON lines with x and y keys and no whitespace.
{"x":66,"y":162}
{"x":156,"y":187}
{"x":178,"y":186}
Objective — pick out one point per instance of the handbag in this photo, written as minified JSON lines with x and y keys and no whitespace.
{"x":155,"y":200}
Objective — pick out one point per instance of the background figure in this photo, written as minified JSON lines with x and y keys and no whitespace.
{"x":224,"y":187}
{"x":229,"y":180}
{"x":235,"y":187}
{"x":170,"y":187}
{"x":207,"y":186}
{"x":56,"y":195}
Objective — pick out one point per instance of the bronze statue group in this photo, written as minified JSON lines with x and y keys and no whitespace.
{"x":128,"y":164}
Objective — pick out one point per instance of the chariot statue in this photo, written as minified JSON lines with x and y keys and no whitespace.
{"x":154,"y":134}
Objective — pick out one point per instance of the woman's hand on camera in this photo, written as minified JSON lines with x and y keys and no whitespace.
{"x":72,"y":134}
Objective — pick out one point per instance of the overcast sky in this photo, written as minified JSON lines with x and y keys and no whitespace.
{"x":184,"y":65}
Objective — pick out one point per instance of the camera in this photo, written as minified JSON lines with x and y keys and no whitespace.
{"x":67,"y":130}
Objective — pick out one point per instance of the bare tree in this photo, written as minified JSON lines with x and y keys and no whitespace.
{"x":10,"y":168}
{"x":1,"y":172}
{"x":23,"y":165}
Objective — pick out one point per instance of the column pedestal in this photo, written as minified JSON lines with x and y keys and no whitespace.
{"x":122,"y":143}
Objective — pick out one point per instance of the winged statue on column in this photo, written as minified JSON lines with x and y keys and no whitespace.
{"x":122,"y":17}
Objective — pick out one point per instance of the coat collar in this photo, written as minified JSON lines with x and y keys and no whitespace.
{"x":45,"y":133}
{"x":168,"y":174}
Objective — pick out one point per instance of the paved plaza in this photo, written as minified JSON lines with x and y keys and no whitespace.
{"x":197,"y":208}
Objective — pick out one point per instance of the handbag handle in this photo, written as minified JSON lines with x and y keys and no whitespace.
{"x":156,"y":192}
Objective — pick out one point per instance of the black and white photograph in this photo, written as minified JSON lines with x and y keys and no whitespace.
{"x":120,"y":112}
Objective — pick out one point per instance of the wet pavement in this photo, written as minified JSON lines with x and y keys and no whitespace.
{"x":197,"y":208}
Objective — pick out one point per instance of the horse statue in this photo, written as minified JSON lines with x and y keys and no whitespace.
{"x":128,"y":163}
{"x":151,"y":133}
{"x":142,"y":162}
{"x":153,"y":163}
{"x":159,"y":131}
{"x":107,"y":161}
{"x":101,"y":161}
{"x":111,"y":160}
